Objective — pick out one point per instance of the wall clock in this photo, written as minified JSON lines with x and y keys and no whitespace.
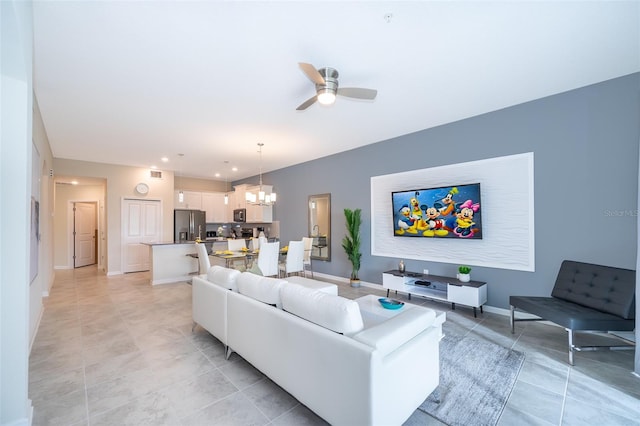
{"x":142,"y":188}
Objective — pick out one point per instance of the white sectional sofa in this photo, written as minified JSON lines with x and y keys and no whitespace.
{"x":315,"y":346}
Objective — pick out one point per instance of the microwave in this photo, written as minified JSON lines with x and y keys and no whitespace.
{"x":240,"y":215}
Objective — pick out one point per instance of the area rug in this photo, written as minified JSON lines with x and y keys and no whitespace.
{"x":476,"y":379}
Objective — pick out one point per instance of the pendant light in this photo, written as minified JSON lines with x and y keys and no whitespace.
{"x":180,"y":193}
{"x":262,"y":198}
{"x":226,"y":174}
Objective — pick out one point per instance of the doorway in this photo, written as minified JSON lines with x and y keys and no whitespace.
{"x":85,"y":234}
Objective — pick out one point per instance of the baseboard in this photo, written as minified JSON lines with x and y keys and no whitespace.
{"x":346,"y":280}
{"x":173,"y":280}
{"x":38,"y":321}
{"x":112,"y":273}
{"x":62,"y":267}
{"x":25,"y":421}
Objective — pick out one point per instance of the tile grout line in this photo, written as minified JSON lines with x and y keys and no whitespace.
{"x":564,"y":396}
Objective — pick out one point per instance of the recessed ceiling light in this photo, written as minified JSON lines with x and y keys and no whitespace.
{"x":234,"y":169}
{"x":165,"y":159}
{"x":217,"y":175}
{"x":74,"y":182}
{"x":154,"y":167}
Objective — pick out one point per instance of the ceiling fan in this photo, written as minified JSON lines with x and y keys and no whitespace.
{"x":326,"y":81}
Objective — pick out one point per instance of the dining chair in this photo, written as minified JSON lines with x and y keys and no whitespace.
{"x":306,"y":260}
{"x":236,"y":244}
{"x":203,"y":258}
{"x":268,"y":258}
{"x":294,"y":263}
{"x":254,"y":244}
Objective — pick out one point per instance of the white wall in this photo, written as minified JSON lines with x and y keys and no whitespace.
{"x":42,"y":189}
{"x":121,"y":182}
{"x":16,"y":26}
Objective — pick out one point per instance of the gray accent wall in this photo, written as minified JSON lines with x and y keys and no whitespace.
{"x":585,"y":144}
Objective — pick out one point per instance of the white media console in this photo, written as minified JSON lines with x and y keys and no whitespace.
{"x":448,"y":289}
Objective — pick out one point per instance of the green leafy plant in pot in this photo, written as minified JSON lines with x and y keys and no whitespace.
{"x":351,"y":242}
{"x":464,"y":273}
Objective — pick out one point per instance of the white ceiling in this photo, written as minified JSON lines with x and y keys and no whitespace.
{"x":127,"y":82}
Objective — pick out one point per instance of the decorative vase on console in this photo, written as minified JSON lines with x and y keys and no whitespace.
{"x":463,"y":274}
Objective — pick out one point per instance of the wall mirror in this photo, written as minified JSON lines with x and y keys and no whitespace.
{"x":320,"y":226}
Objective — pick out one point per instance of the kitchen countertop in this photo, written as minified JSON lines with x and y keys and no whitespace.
{"x":166,"y":243}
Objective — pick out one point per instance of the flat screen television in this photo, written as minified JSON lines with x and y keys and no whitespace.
{"x":443,"y":212}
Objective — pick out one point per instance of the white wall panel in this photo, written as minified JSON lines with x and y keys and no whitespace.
{"x":507,"y":206}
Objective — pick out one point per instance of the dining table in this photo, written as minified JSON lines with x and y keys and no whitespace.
{"x":231,"y":257}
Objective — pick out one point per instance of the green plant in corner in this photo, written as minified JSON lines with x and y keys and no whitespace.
{"x":351,"y":241}
{"x":464,"y":269}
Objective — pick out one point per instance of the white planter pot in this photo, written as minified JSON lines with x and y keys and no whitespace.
{"x":465,"y":278}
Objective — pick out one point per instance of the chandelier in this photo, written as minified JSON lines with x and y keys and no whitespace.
{"x":262,"y":198}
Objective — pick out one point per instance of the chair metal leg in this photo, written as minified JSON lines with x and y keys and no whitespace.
{"x":570,"y":334}
{"x":513,"y":309}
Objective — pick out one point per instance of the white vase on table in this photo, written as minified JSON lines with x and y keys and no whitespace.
{"x":465,"y":278}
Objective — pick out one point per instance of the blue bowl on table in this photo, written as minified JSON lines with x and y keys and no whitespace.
{"x":390,"y":303}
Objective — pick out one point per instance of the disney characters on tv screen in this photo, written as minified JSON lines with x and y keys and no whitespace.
{"x":443,"y":212}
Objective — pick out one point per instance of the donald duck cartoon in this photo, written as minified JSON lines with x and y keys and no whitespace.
{"x":406,"y":223}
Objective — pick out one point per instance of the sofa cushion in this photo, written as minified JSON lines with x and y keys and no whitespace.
{"x":263,"y":289}
{"x":224,"y":277}
{"x":332,"y":312}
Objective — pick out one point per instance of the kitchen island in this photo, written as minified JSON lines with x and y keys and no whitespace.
{"x":170,"y":262}
{"x":178,"y":261}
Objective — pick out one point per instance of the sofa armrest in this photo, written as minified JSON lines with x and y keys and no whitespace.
{"x":209,"y":307}
{"x":391,"y":334}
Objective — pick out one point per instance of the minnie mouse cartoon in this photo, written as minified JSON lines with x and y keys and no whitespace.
{"x":464,"y":219}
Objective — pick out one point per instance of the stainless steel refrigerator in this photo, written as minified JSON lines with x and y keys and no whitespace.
{"x":189,"y":225}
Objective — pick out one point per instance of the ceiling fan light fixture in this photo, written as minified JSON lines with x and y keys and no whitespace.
{"x":326,"y":97}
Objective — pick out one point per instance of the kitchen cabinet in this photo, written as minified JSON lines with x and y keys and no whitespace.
{"x":239,"y":198}
{"x":214,"y":207}
{"x":257,"y":213}
{"x":231,"y":206}
{"x":192,"y":200}
{"x":212,"y":203}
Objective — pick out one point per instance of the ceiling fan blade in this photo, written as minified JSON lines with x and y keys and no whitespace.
{"x":312,"y":73}
{"x":357,"y":92}
{"x":306,"y":104}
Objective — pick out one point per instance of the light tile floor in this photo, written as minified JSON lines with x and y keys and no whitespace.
{"x":118,"y":351}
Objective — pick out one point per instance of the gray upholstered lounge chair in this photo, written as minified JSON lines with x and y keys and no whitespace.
{"x":585,"y":298}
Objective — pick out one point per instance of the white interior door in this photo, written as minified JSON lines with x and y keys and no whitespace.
{"x":141,"y":223}
{"x":84,"y":234}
